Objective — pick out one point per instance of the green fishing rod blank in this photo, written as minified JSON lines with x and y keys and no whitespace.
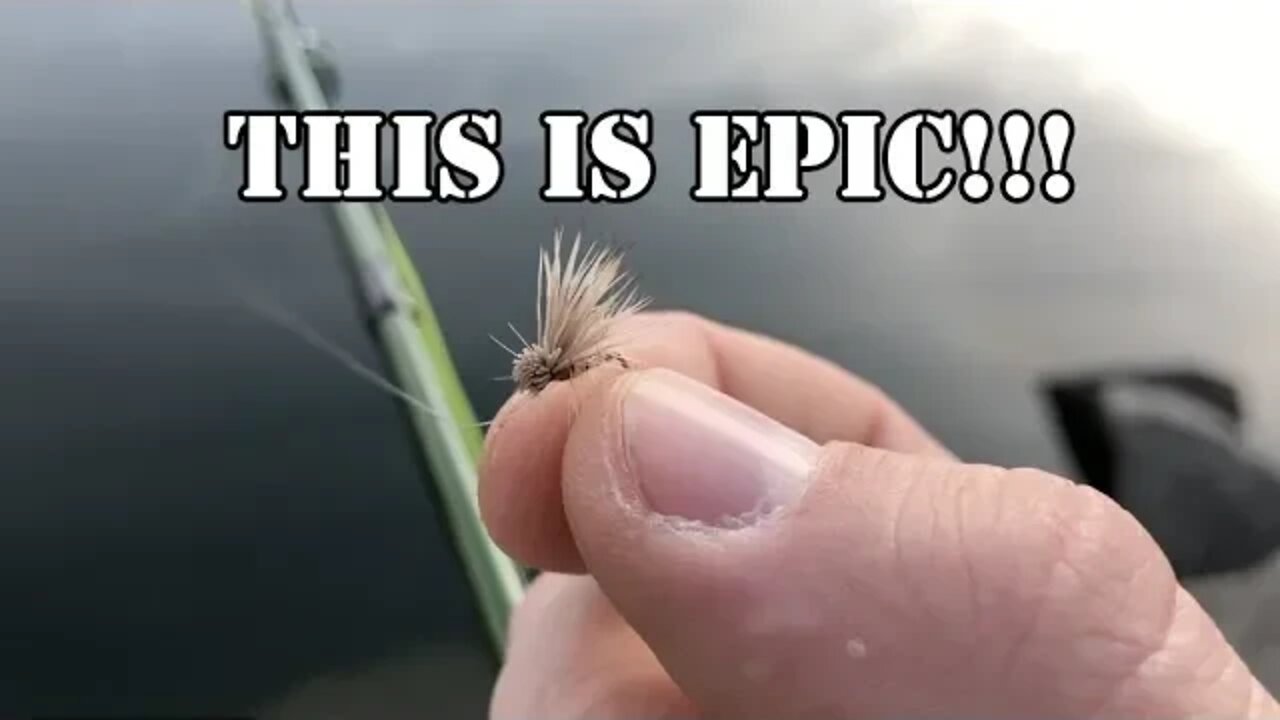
{"x":405,"y":325}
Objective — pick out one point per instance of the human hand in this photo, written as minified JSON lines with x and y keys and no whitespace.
{"x":832,"y":562}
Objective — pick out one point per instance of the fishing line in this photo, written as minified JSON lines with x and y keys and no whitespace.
{"x":587,"y":297}
{"x":282,"y":318}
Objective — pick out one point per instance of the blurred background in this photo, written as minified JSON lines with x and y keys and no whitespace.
{"x":200,"y":513}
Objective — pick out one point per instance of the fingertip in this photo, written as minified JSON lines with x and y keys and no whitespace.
{"x":521,"y":500}
{"x":519,"y":489}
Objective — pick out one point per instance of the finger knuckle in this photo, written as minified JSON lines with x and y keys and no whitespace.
{"x":1098,"y":585}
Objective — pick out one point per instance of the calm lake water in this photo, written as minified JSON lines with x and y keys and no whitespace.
{"x":201,"y":513}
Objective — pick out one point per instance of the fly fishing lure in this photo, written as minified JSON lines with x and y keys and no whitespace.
{"x":581,"y":300}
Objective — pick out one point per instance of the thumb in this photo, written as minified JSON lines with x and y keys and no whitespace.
{"x":776,"y":578}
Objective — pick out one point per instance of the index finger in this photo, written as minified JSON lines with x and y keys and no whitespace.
{"x":520,"y":474}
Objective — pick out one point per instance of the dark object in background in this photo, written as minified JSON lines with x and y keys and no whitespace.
{"x":1167,"y":446}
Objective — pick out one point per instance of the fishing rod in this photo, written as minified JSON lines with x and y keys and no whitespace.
{"x":405,"y":326}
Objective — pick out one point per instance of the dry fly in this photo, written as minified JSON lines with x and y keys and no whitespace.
{"x":581,"y":299}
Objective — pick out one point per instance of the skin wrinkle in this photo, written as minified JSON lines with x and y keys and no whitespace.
{"x":946,"y":536}
{"x":1066,"y":521}
{"x":1222,"y":675}
{"x":937,"y":558}
{"x":1228,"y":667}
{"x":1065,"y":571}
{"x":933,"y":535}
{"x":905,"y":502}
{"x":967,"y":555}
{"x":877,"y":600}
{"x":1089,"y":509}
{"x":863,"y":466}
{"x":958,"y":546}
{"x":1016,"y":649}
